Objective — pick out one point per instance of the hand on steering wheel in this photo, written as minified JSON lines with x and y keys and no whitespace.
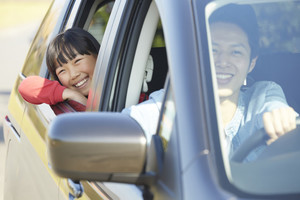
{"x":278,"y":122}
{"x":275,"y":126}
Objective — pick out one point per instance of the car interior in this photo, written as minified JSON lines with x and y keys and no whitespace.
{"x":143,"y":50}
{"x":160,"y":71}
{"x":283,"y":69}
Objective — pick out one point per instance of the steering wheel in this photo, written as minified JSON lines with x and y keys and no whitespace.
{"x":289,"y":142}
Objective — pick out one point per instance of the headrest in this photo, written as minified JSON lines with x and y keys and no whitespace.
{"x":148,"y":73}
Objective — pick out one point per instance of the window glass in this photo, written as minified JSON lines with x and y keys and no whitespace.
{"x":168,"y":119}
{"x":159,"y":40}
{"x":254,"y":53}
{"x":39,"y":45}
{"x":279,"y":26}
{"x":99,"y":21}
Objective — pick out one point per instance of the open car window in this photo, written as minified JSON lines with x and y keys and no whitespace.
{"x":255,"y":72}
{"x":96,"y":21}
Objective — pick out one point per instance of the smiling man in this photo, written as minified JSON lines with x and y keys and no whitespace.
{"x":245,"y":109}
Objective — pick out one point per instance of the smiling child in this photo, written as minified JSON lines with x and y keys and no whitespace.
{"x":71,"y":58}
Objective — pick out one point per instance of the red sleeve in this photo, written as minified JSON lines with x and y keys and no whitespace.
{"x":77,"y":106}
{"x":68,"y":106}
{"x":37,"y":90}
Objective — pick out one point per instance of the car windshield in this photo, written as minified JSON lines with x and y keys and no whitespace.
{"x":254,"y":53}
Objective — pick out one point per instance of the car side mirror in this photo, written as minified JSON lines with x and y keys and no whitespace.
{"x":97,"y":147}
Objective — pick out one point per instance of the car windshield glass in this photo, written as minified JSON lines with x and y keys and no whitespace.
{"x":254,"y":53}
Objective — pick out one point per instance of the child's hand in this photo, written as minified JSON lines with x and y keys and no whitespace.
{"x":279,"y":122}
{"x":69,"y":94}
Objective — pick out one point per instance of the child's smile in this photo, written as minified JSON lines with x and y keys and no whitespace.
{"x":81,"y":83}
{"x":77,"y":73}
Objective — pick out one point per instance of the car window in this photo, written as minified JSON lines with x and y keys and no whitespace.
{"x":167,"y":118}
{"x":145,"y":68}
{"x":151,"y":75}
{"x":94,"y":20}
{"x":140,"y":73}
{"x":99,"y":21}
{"x":254,"y":56}
{"x":159,"y":40}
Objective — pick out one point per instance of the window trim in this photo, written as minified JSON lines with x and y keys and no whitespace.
{"x":145,"y":41}
{"x":127,"y":30}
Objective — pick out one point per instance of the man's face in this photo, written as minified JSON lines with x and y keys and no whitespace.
{"x":231,"y":52}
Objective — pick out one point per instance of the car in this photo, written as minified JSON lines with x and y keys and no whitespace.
{"x":104,"y":154}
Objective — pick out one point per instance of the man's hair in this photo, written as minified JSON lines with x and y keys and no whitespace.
{"x":244,"y":17}
{"x":66,"y":45}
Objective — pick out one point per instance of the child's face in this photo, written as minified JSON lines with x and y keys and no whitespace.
{"x":231,"y":52}
{"x":77,"y":74}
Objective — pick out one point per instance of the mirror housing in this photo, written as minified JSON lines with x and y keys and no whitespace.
{"x":97,"y":147}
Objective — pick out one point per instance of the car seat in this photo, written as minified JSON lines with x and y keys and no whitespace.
{"x":160,"y":69}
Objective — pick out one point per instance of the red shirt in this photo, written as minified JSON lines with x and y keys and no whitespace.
{"x":38,"y":90}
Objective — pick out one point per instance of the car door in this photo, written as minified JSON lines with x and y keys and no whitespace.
{"x":126,"y":81}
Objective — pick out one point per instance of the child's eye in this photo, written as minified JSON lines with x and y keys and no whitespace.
{"x":60,"y":71}
{"x":78,"y":60}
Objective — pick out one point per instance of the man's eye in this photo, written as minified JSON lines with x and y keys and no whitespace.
{"x":237,"y":52}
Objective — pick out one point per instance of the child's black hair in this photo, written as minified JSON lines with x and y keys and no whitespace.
{"x":65,"y":46}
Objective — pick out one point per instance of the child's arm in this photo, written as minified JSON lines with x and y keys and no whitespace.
{"x":69,"y":94}
{"x":37,"y":90}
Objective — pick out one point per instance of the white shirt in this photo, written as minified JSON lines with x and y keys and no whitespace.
{"x":147,"y":113}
